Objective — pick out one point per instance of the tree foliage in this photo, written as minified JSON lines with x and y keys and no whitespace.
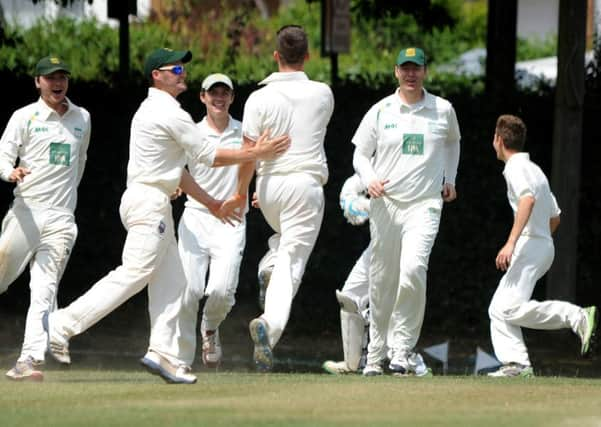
{"x":63,"y":3}
{"x":237,"y":41}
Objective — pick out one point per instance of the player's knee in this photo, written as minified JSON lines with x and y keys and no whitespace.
{"x":413,"y":278}
{"x":497,"y":310}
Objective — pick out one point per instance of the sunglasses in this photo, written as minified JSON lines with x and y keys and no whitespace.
{"x":175,"y":69}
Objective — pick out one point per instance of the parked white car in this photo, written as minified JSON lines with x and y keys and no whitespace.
{"x":527,"y":73}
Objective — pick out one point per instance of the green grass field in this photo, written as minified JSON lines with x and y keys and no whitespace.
{"x":134,"y":398}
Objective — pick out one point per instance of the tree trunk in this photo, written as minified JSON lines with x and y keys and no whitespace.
{"x":567,"y":146}
{"x":501,"y":53}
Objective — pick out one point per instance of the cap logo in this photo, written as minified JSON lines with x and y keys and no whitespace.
{"x":55,"y":60}
{"x":410,"y":52}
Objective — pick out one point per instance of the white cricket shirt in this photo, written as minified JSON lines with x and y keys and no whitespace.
{"x":291,"y":104}
{"x":219,"y":182}
{"x":162,"y":135}
{"x":523,"y":178}
{"x":415,"y":146}
{"x":53,"y":148}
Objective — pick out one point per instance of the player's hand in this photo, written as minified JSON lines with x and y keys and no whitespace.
{"x":376,"y":188}
{"x":268,"y":149}
{"x":255,"y":201}
{"x":504,"y":256}
{"x":448,"y":192}
{"x":18,"y":174}
{"x":232,"y":209}
{"x":177,"y":193}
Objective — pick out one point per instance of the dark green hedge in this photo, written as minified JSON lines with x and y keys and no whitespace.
{"x":462,"y":276}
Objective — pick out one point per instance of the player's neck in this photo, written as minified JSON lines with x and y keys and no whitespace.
{"x":287,"y":68}
{"x":410,"y":97}
{"x":218,"y":122}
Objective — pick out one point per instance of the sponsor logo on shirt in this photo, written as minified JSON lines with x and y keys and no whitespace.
{"x":162,"y":227}
{"x":40,"y":129}
{"x":78,"y":132}
{"x":390,"y":126}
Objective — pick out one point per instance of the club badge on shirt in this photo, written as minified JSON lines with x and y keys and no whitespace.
{"x":413,"y":143}
{"x":60,"y":154}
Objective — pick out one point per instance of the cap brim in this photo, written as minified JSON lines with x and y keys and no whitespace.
{"x":420,"y":63}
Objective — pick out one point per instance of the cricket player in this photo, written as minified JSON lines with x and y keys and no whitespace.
{"x":406,"y":153}
{"x":206,"y":243}
{"x":50,"y":139}
{"x":163,"y":136}
{"x":526,"y":257}
{"x":289,"y":188}
{"x":354,"y":296}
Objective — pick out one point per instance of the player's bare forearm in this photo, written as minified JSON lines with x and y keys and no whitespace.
{"x":245,"y":171}
{"x":553,"y":224}
{"x":264,"y":149}
{"x":525,"y":206}
{"x":189,"y":186}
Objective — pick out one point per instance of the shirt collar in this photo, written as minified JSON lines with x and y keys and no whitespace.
{"x":284,"y":77}
{"x":45,"y":111}
{"x":232,"y":126}
{"x":428,"y":101}
{"x":162,"y":96}
{"x":516,"y":158}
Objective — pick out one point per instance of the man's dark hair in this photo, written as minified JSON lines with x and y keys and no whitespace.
{"x":512,"y":130}
{"x":292,"y":44}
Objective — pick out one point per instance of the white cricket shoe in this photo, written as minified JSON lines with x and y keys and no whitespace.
{"x":337,"y":368}
{"x":511,"y":370}
{"x":172,"y":374}
{"x":26,"y":370}
{"x":262,"y":355}
{"x":58,"y":345}
{"x":211,"y":348}
{"x":587,"y":327}
{"x":372,"y":370}
{"x":411,"y":363}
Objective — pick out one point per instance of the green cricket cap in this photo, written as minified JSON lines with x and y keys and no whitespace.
{"x":164,"y":56}
{"x":411,"y":54}
{"x":49,"y":65}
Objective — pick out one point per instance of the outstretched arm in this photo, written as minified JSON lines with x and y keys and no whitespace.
{"x":263,"y":149}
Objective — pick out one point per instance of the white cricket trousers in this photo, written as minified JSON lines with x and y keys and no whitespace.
{"x":150,"y":257}
{"x":402,"y":236}
{"x":43,"y":238}
{"x":511,"y":308}
{"x":207,"y":244}
{"x":293,"y":206}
